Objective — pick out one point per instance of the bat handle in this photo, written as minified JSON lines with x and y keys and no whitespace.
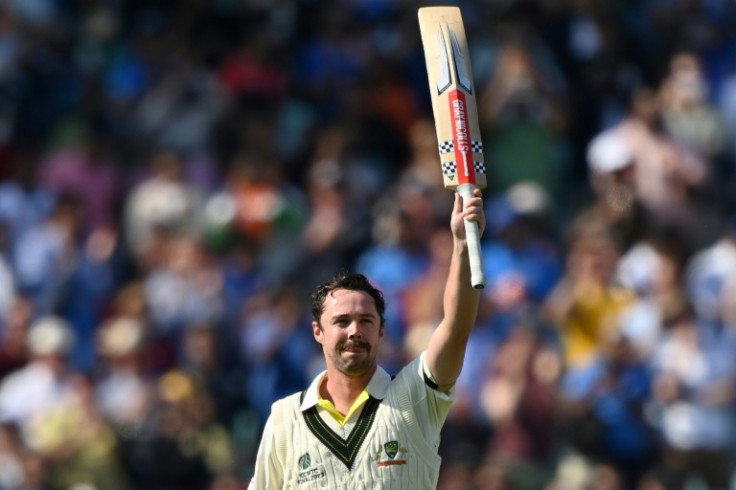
{"x":472,"y":237}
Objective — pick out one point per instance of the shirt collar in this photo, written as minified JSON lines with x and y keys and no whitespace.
{"x":377,"y":388}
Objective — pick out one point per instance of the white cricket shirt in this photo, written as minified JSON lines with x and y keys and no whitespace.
{"x":392,"y":444}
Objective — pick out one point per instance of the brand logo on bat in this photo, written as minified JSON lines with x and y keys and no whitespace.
{"x":460,"y":132}
{"x":459,"y":117}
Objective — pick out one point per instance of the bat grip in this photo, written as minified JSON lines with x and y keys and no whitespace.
{"x":472,"y":238}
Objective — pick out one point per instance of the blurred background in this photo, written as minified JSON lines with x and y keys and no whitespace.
{"x":175,"y":177}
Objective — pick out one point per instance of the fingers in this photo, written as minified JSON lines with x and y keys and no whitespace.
{"x":472,"y":209}
{"x":458,"y":207}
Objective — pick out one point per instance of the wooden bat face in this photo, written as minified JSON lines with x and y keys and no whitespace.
{"x":453,"y":96}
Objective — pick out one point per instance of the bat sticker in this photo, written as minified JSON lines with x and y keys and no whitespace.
{"x":448,"y":146}
{"x":458,"y":59}
{"x":443,"y":79}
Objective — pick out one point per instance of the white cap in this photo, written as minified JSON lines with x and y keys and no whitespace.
{"x":121,"y":336}
{"x":528,"y":197}
{"x":50,"y":335}
{"x":609,"y":151}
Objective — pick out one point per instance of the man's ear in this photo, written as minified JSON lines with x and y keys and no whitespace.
{"x":317,"y":332}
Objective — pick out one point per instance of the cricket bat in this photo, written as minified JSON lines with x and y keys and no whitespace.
{"x":455,"y":114}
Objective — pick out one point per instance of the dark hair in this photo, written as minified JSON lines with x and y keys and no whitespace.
{"x":351,"y":282}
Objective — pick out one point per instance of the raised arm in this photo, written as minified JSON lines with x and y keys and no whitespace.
{"x":446,"y":348}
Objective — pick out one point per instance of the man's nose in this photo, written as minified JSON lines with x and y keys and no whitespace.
{"x":354,"y":330}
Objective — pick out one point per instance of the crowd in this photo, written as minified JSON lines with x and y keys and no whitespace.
{"x":175,"y":176}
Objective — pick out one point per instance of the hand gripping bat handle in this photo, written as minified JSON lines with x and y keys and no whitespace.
{"x":472,"y":237}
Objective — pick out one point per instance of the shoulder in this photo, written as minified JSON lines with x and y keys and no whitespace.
{"x":417,"y":367}
{"x":413,"y":375}
{"x":287,"y":403}
{"x":416,"y":378}
{"x":281,"y":421}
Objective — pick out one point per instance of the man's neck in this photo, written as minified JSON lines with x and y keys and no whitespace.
{"x":342,"y":390}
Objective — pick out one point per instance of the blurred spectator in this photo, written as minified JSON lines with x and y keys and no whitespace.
{"x":180,"y":445}
{"x":653,"y":269}
{"x":520,"y":248}
{"x":253,"y":186}
{"x":45,"y":382}
{"x":330,"y":59}
{"x":613,"y":179}
{"x":605,"y":416}
{"x":210,"y":357}
{"x":586,"y":302}
{"x":180,"y":108}
{"x":77,"y":445}
{"x":574,"y":472}
{"x":519,"y":397}
{"x":45,"y":256}
{"x":130,"y":301}
{"x":124,"y":390}
{"x":277,"y":349}
{"x":99,"y":271}
{"x":185,"y":289}
{"x":163,"y":202}
{"x":241,"y":275}
{"x":338,"y":225}
{"x":23,"y":204}
{"x":79,"y":166}
{"x":726,"y":105}
{"x":635,"y":164}
{"x":13,"y":346}
{"x":267,"y":211}
{"x":522,"y":118}
{"x":694,"y":401}
{"x":423,"y":164}
{"x":252,"y":71}
{"x":708,"y":274}
{"x":12,"y":474}
{"x":687,"y":113}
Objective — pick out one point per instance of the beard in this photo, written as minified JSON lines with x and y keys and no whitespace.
{"x":353,"y":364}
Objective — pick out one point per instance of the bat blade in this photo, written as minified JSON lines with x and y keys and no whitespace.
{"x":455,"y":113}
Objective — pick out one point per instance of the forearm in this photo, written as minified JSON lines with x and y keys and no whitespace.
{"x":446,"y":349}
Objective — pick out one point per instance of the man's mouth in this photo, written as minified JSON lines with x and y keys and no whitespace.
{"x":355,"y":347}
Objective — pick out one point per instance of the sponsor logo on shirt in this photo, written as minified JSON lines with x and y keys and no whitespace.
{"x":308,"y":474}
{"x":391,"y":449}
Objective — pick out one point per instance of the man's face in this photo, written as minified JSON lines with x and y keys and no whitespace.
{"x":350,"y":331}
